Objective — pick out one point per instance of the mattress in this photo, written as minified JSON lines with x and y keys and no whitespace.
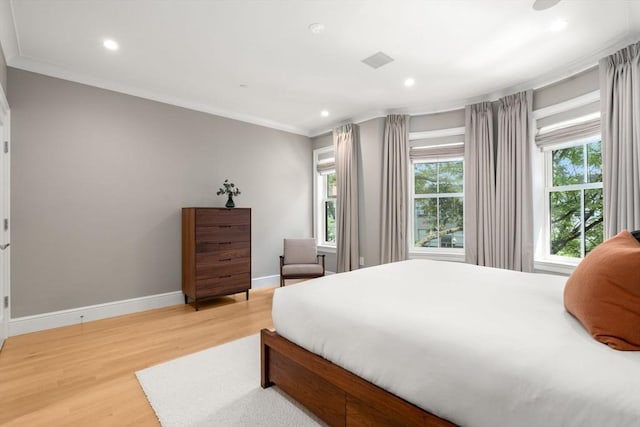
{"x":477,"y":346}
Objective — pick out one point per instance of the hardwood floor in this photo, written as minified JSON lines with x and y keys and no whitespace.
{"x":84,"y":375}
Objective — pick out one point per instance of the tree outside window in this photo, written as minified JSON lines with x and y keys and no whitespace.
{"x":575,"y":199}
{"x":438,"y":204}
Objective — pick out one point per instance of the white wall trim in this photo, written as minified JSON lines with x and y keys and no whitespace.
{"x":438,"y":256}
{"x":8,"y":34}
{"x":55,"y":319}
{"x":543,"y":266}
{"x":323,"y":249}
{"x":570,"y":104}
{"x":5,"y":180}
{"x":52,"y":70}
{"x":73,"y":316}
{"x":265,"y":281}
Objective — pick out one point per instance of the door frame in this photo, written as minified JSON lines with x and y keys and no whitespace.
{"x":5,"y":211}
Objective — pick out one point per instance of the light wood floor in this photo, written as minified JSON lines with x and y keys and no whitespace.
{"x":85,"y":374}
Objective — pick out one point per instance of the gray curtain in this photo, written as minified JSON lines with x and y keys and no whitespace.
{"x":346,"y":140}
{"x":514,"y":206}
{"x":395,"y":160}
{"x":480,"y":185}
{"x":620,"y":120}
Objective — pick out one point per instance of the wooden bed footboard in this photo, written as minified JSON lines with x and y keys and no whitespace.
{"x":335,"y":395}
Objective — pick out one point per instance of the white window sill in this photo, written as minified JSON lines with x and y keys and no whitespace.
{"x":326,"y":249}
{"x":444,"y":255}
{"x":555,"y":266}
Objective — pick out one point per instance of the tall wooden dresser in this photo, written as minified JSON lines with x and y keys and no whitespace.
{"x":216,"y":252}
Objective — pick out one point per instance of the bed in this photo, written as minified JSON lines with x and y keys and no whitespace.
{"x":435,"y":343}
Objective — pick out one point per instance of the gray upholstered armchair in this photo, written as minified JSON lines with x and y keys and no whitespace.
{"x":300,"y":260}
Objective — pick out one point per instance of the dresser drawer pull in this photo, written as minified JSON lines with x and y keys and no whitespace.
{"x":225,"y":243}
{"x":224,"y":259}
{"x":224,"y":226}
{"x":224,"y":277}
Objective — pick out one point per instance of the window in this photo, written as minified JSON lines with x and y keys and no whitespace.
{"x":574,"y":202}
{"x":438,"y":199}
{"x":329,"y":208}
{"x":325,"y":192}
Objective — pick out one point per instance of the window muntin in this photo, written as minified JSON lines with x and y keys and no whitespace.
{"x":574,"y":214}
{"x":438,"y":200}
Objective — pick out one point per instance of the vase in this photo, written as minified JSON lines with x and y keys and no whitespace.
{"x":230,"y":203}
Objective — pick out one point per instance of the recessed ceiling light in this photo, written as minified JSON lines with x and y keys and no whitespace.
{"x":110,"y":44}
{"x":409,"y":82}
{"x":316,"y":28}
{"x":244,"y":86}
{"x":324,"y":113}
{"x":558,"y":25}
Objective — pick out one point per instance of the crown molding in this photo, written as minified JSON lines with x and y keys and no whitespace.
{"x":8,"y":34}
{"x":11,"y":47}
{"x":52,"y":70}
{"x":361,"y":118}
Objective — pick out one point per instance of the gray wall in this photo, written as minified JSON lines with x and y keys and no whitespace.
{"x":572,"y":87}
{"x":369,"y":189}
{"x":370,"y":183}
{"x":435,"y":121}
{"x":98,"y":179}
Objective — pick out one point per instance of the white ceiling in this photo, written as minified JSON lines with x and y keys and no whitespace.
{"x":198,"y":54}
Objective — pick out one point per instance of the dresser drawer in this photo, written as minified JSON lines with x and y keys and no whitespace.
{"x":223,"y":233}
{"x":227,"y":249}
{"x":224,"y":285}
{"x":222,"y":267}
{"x":206,"y":217}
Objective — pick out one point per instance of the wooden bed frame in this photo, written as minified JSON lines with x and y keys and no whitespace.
{"x":335,"y":395}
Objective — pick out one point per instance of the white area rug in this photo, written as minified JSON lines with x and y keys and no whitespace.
{"x":219,"y":386}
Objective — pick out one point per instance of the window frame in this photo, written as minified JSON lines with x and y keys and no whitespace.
{"x":449,"y":254}
{"x":545,"y":255}
{"x":319,"y":199}
{"x":542,"y":263}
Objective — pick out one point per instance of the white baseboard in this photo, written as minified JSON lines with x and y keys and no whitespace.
{"x":56,"y":319}
{"x":265,"y":281}
{"x":73,"y":316}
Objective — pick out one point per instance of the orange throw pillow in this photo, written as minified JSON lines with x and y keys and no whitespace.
{"x":603,"y":292}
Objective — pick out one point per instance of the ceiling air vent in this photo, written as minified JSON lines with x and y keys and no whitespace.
{"x":377,"y":60}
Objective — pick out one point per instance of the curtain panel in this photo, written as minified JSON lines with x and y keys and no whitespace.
{"x":395,"y":193}
{"x":514,"y":194}
{"x":620,"y":121}
{"x":479,"y":184}
{"x":346,"y":140}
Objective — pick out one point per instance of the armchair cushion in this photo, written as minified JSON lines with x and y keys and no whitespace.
{"x":301,"y":269}
{"x":300,"y":251}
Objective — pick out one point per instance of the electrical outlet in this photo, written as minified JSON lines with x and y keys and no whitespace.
{"x":361,"y":260}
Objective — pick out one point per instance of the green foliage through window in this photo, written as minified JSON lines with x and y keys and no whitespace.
{"x":438,"y":204}
{"x":575,"y":200}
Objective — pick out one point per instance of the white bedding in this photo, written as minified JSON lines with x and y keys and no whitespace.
{"x":474,"y":345}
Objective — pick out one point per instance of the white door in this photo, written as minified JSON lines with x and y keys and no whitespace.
{"x":4,"y":217}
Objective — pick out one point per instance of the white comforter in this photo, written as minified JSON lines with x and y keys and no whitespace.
{"x":475,"y":345}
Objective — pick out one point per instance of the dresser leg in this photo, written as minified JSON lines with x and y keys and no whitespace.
{"x":186,"y":301}
{"x":247,"y":292}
